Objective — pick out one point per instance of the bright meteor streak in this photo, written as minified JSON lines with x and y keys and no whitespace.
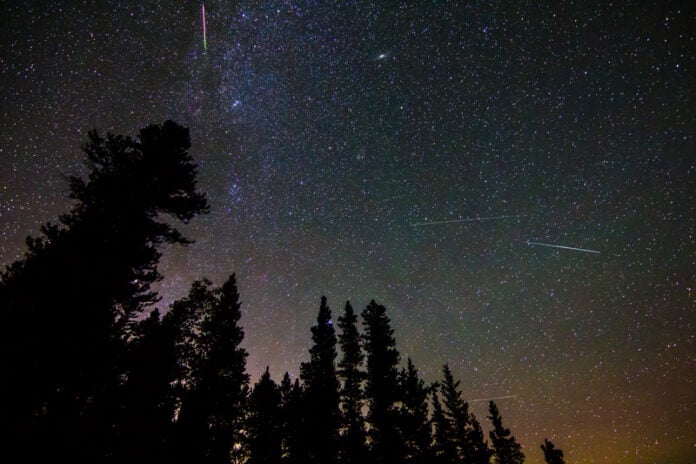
{"x":476,"y":219}
{"x":205,"y":44}
{"x":585,"y":250}
{"x":490,"y":399}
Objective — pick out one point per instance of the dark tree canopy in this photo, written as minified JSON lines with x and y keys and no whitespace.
{"x":322,"y":390}
{"x":456,"y":412}
{"x":463,"y":437}
{"x":147,"y":400}
{"x":414,"y":425}
{"x":81,"y":282}
{"x":89,"y":376}
{"x":507,"y":450}
{"x":381,"y":388}
{"x":477,"y":446}
{"x":352,"y":395}
{"x":294,"y":446}
{"x":442,"y":448}
{"x":552,"y":455}
{"x":215,"y":382}
{"x":265,"y":423}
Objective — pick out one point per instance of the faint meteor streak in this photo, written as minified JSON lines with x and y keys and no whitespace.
{"x":490,"y":399}
{"x":205,"y":43}
{"x":475,"y":219}
{"x":585,"y":250}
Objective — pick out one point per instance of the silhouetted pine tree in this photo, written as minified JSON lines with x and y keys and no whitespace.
{"x":414,"y":424}
{"x":464,"y":433}
{"x":216,"y":388}
{"x":552,"y":455}
{"x":321,"y":390}
{"x":477,"y":446}
{"x":147,"y":398}
{"x":69,"y":296}
{"x":442,"y":448}
{"x":265,"y":423}
{"x":381,"y":388}
{"x":456,"y":412}
{"x":294,"y":449}
{"x":186,"y":314}
{"x":223,"y":376}
{"x":353,"y":449}
{"x":507,"y":450}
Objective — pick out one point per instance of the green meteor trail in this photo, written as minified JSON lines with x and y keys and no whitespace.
{"x":205,"y":44}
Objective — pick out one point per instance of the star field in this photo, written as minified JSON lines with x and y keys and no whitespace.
{"x":340,"y":145}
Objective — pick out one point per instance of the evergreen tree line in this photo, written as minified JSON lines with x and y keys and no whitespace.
{"x":92,"y":376}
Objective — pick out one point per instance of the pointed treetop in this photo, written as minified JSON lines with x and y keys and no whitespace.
{"x":552,"y":455}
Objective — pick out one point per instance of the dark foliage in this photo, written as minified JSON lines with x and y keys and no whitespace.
{"x":294,"y":446}
{"x":507,"y":450}
{"x":147,"y":400}
{"x":382,"y":386}
{"x":463,"y":438}
{"x":79,"y":284}
{"x":443,"y":450}
{"x":478,"y":449}
{"x":414,"y":425}
{"x":350,"y":371}
{"x":265,"y":424}
{"x":213,"y":377}
{"x":91,"y":378}
{"x":552,"y":455}
{"x":321,"y":399}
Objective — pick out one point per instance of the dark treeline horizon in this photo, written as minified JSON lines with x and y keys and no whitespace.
{"x":94,"y":375}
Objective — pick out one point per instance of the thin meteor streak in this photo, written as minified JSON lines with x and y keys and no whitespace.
{"x":476,"y":219}
{"x":205,"y":44}
{"x":585,"y":250}
{"x":490,"y":399}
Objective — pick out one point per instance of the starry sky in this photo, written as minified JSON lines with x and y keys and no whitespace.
{"x":409,"y":152}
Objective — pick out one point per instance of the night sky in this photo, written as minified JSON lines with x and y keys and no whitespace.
{"x":409,"y":152}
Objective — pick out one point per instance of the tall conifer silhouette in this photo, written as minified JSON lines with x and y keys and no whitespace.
{"x":464,"y":436}
{"x":381,"y":388}
{"x":294,"y":447}
{"x":322,"y":390}
{"x":215,"y":385}
{"x":552,"y":455}
{"x":414,"y":424}
{"x":147,"y":400}
{"x":352,"y":395}
{"x":507,"y":450}
{"x":442,"y":449}
{"x":265,"y":424}
{"x":81,"y":281}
